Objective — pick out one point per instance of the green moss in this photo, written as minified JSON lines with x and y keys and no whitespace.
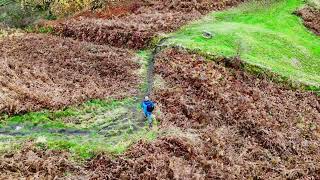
{"x":267,"y":35}
{"x":87,"y":146}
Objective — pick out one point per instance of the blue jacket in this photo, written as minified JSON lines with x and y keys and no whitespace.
{"x":145,"y":104}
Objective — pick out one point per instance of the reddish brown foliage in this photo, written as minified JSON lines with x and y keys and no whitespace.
{"x":40,"y":71}
{"x":202,"y":6}
{"x":137,"y":29}
{"x":209,"y":93}
{"x":311,"y":18}
{"x":115,"y":9}
{"x":240,"y":127}
{"x":205,"y":94}
{"x":156,"y":160}
{"x":32,"y":163}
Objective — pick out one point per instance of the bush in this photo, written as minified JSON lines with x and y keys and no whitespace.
{"x":67,"y":7}
{"x":16,"y":14}
{"x":22,"y":13}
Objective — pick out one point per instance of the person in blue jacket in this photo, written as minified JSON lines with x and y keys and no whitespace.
{"x":148,"y":106}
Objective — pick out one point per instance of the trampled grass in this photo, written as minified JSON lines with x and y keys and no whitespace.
{"x":265,"y":34}
{"x":84,"y":130}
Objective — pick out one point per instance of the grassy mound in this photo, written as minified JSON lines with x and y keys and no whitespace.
{"x":268,"y":35}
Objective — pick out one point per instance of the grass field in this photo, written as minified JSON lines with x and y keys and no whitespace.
{"x":265,"y":34}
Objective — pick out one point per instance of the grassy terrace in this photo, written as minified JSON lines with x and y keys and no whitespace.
{"x":267,"y":35}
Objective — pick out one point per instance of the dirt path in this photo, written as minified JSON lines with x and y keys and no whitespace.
{"x":234,"y":126}
{"x":150,"y":74}
{"x":130,"y":121}
{"x":134,"y":119}
{"x":25,"y":131}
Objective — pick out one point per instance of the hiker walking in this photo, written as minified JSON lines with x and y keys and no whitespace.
{"x":148,"y":107}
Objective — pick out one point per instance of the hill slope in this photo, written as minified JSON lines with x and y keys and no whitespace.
{"x":267,"y":35}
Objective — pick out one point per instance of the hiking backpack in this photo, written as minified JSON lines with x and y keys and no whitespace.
{"x":150,"y":107}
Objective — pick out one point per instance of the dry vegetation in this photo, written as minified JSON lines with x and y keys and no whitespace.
{"x":140,"y":24}
{"x":57,"y":72}
{"x":32,"y":163}
{"x":231,"y":125}
{"x":311,"y":18}
{"x":240,"y":127}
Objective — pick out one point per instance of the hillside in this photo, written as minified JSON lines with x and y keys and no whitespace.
{"x":268,"y":36}
{"x":236,"y":86}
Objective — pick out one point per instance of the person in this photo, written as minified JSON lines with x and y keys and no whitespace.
{"x":148,"y":107}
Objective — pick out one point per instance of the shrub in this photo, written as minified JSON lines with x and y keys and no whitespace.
{"x":14,"y":13}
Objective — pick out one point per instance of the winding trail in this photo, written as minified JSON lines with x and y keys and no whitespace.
{"x":34,"y":130}
{"x":150,"y":74}
{"x":134,"y":118}
{"x":130,"y":121}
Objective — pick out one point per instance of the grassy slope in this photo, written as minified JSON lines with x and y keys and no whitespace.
{"x":268,"y":35}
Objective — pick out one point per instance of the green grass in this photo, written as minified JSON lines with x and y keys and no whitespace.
{"x":90,"y":118}
{"x":144,"y":56}
{"x":266,"y":35}
{"x":55,"y":118}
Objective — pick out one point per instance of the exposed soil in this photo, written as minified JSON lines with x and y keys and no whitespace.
{"x":244,"y":127}
{"x":311,"y":18}
{"x":39,"y":71}
{"x":136,"y":30}
{"x":32,"y":163}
